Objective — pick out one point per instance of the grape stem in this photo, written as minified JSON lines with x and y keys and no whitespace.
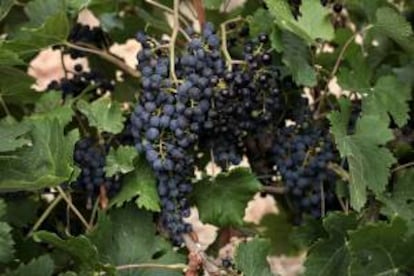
{"x":336,"y":68}
{"x":106,"y":56}
{"x":45,"y":214}
{"x":229,"y":60}
{"x":274,"y":190}
{"x":401,"y":167}
{"x":176,"y":24}
{"x":149,"y":266}
{"x":339,"y":171}
{"x":184,"y":19}
{"x":74,"y":209}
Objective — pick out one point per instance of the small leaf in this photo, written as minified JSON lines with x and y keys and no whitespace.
{"x":221,"y":201}
{"x":331,"y":256}
{"x":396,"y":27}
{"x":15,"y":86}
{"x":120,"y":160}
{"x":389,"y":96}
{"x":400,"y":203}
{"x":39,"y":10}
{"x":296,"y":56}
{"x":308,"y":232}
{"x":9,"y":58}
{"x":142,"y":183}
{"x":48,"y":162}
{"x":5,"y":7}
{"x":50,"y":105}
{"x":259,"y":22}
{"x":313,"y":24}
{"x":251,"y":257}
{"x":12,"y":135}
{"x":369,"y":161}
{"x":381,"y":249}
{"x":103,"y":114}
{"x":80,"y":248}
{"x":6,"y":243}
{"x":42,"y":266}
{"x":128,"y":236}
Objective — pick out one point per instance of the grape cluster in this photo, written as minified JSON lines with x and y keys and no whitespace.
{"x":90,"y":158}
{"x":301,"y":154}
{"x":88,"y":35}
{"x":248,"y":99}
{"x":79,"y":80}
{"x":170,"y":115}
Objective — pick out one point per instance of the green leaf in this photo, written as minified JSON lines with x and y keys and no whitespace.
{"x":48,"y":162}
{"x":296,"y":55}
{"x":12,"y":135}
{"x":42,"y":266}
{"x":222,"y":200}
{"x":381,"y":249}
{"x":5,"y":7}
{"x":15,"y":86}
{"x":6,"y":243}
{"x":259,"y":22}
{"x":308,"y":233}
{"x":50,"y":105}
{"x":396,"y":27}
{"x":212,"y":4}
{"x":400,"y":203}
{"x":80,"y":248}
{"x":22,"y":211}
{"x":313,"y":24}
{"x":120,"y":160}
{"x":389,"y":96}
{"x":9,"y":58}
{"x":251,"y":256}
{"x":278,"y":229}
{"x":142,"y":183}
{"x":103,"y":114}
{"x":330,"y":256}
{"x":38,"y":11}
{"x":54,"y":30}
{"x":369,"y":161}
{"x":128,"y":236}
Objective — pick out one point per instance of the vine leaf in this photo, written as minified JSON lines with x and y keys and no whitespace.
{"x":12,"y":134}
{"x":389,"y":96}
{"x":296,"y":56}
{"x":5,"y":7}
{"x":6,"y":240}
{"x":392,"y":24}
{"x":48,"y":162}
{"x":120,"y":160}
{"x":9,"y":58}
{"x":381,"y":249}
{"x":54,"y":30}
{"x":369,"y":162}
{"x":212,"y":4}
{"x":80,"y":248}
{"x":50,"y":105}
{"x":42,"y":266}
{"x":221,"y":201}
{"x":15,"y":86}
{"x":251,"y":257}
{"x":313,"y":24}
{"x":140,"y":182}
{"x":103,"y":114}
{"x":128,"y":236}
{"x":331,"y":256}
{"x":259,"y":22}
{"x":39,"y":10}
{"x":401,"y":202}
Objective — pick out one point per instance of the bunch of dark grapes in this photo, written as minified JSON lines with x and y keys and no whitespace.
{"x":169,"y":117}
{"x":85,"y":34}
{"x":78,"y":81}
{"x":301,"y":155}
{"x":247,"y":100}
{"x":89,"y":156}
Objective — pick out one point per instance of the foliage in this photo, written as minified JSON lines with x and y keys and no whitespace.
{"x":60,"y":217}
